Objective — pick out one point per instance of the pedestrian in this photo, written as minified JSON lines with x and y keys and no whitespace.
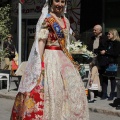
{"x":97,"y":40}
{"x":9,"y":47}
{"x":111,"y":53}
{"x":97,"y":43}
{"x":51,"y":87}
{"x":94,"y":81}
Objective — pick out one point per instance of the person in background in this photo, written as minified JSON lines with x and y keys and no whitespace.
{"x":111,"y":53}
{"x":93,"y":79}
{"x":15,"y":63}
{"x":97,"y":43}
{"x":9,"y":47}
{"x":97,"y":40}
{"x":51,"y":87}
{"x":117,"y":100}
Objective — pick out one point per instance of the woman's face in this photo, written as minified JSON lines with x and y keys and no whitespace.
{"x":10,"y":37}
{"x":110,"y":35}
{"x":58,"y":6}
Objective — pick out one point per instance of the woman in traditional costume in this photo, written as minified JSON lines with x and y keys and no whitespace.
{"x":51,"y":87}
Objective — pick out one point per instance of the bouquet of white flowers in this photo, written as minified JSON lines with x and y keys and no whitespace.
{"x":79,"y":48}
{"x":75,"y":46}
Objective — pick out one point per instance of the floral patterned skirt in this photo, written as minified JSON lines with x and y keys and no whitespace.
{"x":29,"y":106}
{"x":60,"y":95}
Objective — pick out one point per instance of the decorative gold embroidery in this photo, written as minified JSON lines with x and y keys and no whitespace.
{"x":17,"y":102}
{"x":62,"y":44}
{"x":29,"y":103}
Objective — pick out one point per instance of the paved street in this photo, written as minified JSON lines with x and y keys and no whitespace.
{"x":98,"y":116}
{"x":100,"y":106}
{"x":6,"y":107}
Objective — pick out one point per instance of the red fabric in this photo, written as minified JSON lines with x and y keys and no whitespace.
{"x":64,"y":23}
{"x":14,"y":65}
{"x":29,"y":106}
{"x":53,"y":47}
{"x":22,"y":1}
{"x":42,"y":63}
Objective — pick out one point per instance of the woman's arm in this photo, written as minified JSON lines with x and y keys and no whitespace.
{"x":41,"y":47}
{"x":43,"y":36}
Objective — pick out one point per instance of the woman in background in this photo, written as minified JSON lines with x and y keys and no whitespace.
{"x":9,"y":47}
{"x":111,"y":52}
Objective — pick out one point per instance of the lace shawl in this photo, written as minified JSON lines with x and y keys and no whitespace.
{"x":33,"y":67}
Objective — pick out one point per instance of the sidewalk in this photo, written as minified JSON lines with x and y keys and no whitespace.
{"x":103,"y":106}
{"x":99,"y":106}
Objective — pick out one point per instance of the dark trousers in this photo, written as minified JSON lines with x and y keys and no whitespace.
{"x":101,"y":72}
{"x":105,"y":85}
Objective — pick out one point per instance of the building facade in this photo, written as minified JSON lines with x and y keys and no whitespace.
{"x":83,"y":15}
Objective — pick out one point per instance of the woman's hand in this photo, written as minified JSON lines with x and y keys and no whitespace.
{"x":90,"y":83}
{"x":102,"y":52}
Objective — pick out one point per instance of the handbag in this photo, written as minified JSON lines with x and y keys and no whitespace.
{"x":93,"y":86}
{"x":111,"y":70}
{"x":14,"y":65}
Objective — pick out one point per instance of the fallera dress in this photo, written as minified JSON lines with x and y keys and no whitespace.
{"x":59,"y":93}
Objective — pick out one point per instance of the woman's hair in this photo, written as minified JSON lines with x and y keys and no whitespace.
{"x":50,"y":2}
{"x":115,"y":34}
{"x":9,"y":35}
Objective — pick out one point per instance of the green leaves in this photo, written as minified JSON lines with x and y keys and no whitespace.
{"x":5,"y":26}
{"x":5,"y":21}
{"x":3,"y":53}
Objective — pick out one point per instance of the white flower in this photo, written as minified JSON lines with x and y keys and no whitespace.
{"x":78,"y":47}
{"x":84,"y":49}
{"x":78,"y":44}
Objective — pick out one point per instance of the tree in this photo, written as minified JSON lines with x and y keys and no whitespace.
{"x":5,"y":26}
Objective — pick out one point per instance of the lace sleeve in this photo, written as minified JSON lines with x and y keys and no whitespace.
{"x":43,"y":33}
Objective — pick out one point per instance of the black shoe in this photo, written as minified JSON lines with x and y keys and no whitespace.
{"x":91,"y":101}
{"x":110,"y":98}
{"x":103,"y":97}
{"x":118,"y":107}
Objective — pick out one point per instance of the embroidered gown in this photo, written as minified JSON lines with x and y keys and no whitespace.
{"x":59,"y":93}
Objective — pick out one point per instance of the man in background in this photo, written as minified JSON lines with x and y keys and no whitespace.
{"x":96,"y":44}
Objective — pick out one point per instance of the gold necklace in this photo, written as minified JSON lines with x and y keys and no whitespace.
{"x":59,"y":18}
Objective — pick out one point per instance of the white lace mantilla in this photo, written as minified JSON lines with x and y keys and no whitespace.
{"x":33,"y":67}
